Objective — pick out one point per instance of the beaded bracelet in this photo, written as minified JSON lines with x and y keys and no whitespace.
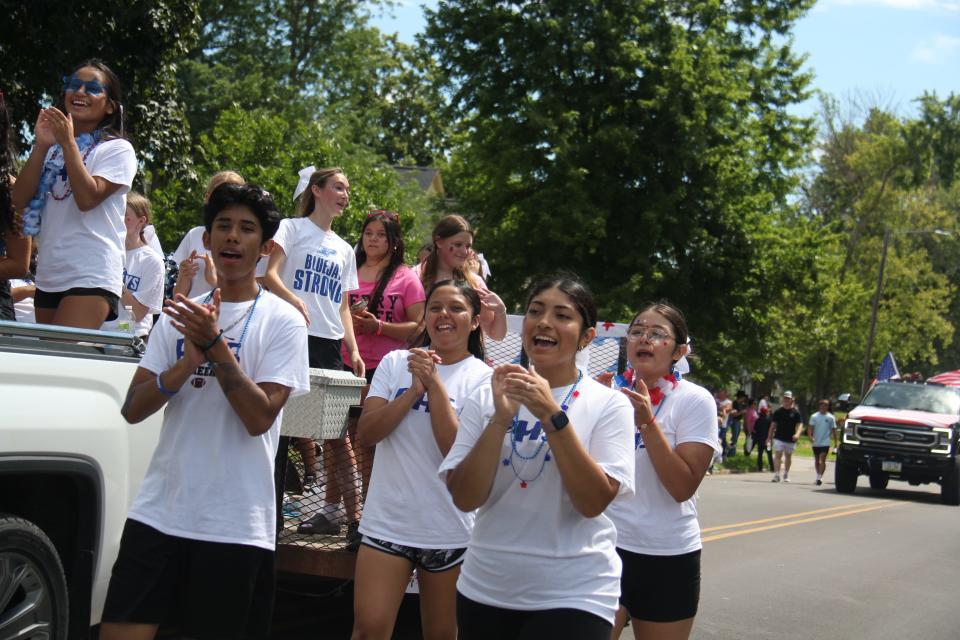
{"x":379,"y":327}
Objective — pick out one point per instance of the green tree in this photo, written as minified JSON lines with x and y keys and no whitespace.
{"x":268,"y":150}
{"x":309,"y":57}
{"x":867,"y":184}
{"x":642,"y":143}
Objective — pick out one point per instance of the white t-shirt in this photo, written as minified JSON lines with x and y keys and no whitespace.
{"x":193,"y":241}
{"x":652,"y":522}
{"x":85,"y":248}
{"x":208,"y":478}
{"x":143,"y":277}
{"x":405,"y":467}
{"x":531,"y":549}
{"x":320,"y":268}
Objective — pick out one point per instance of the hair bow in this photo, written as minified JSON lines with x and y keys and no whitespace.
{"x":305,"y":175}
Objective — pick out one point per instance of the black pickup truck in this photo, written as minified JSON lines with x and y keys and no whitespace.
{"x":905,"y":431}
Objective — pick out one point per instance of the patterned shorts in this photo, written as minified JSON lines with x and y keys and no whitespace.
{"x":435,"y":560}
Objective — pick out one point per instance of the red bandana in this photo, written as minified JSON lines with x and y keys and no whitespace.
{"x":656,"y":395}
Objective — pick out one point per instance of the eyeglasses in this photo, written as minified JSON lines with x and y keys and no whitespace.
{"x":651,"y":335}
{"x":92,"y":87}
{"x":393,"y":215}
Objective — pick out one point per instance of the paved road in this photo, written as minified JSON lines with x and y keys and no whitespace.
{"x":782,"y":561}
{"x":801,"y":561}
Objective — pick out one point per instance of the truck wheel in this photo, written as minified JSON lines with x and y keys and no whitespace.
{"x":33,"y":590}
{"x":845,"y":478}
{"x":879,"y":481}
{"x":950,"y":486}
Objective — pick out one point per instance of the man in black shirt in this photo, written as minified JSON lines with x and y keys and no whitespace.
{"x":784,"y":432}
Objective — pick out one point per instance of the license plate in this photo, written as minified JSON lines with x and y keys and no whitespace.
{"x":891,"y":466}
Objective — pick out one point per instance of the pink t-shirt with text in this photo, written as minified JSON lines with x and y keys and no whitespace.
{"x":403,"y":290}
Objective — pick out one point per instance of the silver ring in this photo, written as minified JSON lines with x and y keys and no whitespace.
{"x":529,"y":386}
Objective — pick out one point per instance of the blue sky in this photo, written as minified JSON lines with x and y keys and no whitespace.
{"x":881,"y":52}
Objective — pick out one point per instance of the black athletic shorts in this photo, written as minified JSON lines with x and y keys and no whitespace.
{"x":324,"y":353}
{"x":818,"y":450}
{"x":477,"y":621}
{"x":203,"y":589}
{"x":52,"y":299}
{"x":660,"y":588}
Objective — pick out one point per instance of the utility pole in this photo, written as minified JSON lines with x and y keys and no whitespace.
{"x":873,"y":315}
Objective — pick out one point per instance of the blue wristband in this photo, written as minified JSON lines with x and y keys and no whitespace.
{"x":163,"y":389}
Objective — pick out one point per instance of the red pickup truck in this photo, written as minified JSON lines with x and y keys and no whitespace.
{"x":905,"y":431}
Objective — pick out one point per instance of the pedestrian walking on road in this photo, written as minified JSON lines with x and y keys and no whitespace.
{"x":822,"y":429}
{"x":761,"y":440}
{"x":658,"y":534}
{"x":786,"y":429}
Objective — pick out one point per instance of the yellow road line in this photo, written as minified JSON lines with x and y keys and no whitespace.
{"x":731,"y":534}
{"x":737,"y":525}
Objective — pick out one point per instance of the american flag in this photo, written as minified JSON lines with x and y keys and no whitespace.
{"x":888,"y":368}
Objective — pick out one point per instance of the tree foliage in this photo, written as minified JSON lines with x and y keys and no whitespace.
{"x":642,"y":143}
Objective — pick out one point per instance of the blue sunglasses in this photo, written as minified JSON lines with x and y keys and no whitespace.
{"x":92,"y":87}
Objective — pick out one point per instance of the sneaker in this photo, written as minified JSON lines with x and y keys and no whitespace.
{"x":786,"y":479}
{"x":819,"y":482}
{"x":353,"y":536}
{"x":318,"y":524}
{"x":776,"y":478}
{"x":291,"y":507}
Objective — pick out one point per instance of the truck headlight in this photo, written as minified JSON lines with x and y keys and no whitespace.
{"x":944,"y":437}
{"x":850,"y":431}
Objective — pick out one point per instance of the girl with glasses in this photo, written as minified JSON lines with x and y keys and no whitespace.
{"x":409,"y":521}
{"x":540,"y":454}
{"x":658,"y":536}
{"x":452,"y":241}
{"x":73,"y":189}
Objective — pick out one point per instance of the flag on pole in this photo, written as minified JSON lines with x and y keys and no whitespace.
{"x":888,"y":368}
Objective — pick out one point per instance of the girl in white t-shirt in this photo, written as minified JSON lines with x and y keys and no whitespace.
{"x":409,"y":520}
{"x":452,"y":241}
{"x":658,"y":536}
{"x":314,"y":269}
{"x":72,"y":188}
{"x":196,"y":275}
{"x":540,"y":454}
{"x":143,"y":271}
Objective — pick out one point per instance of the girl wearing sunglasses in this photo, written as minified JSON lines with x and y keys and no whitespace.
{"x":452,"y":240}
{"x":73,"y":189}
{"x":658,"y":535}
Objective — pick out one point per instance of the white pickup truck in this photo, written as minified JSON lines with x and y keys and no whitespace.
{"x":69,"y":468}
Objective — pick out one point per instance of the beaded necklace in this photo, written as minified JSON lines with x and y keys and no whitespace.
{"x":572,"y":394}
{"x":248,"y":315}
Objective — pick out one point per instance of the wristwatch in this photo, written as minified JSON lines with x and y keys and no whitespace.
{"x":559,"y":420}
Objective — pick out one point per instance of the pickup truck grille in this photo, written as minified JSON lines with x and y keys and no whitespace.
{"x":896,"y":436}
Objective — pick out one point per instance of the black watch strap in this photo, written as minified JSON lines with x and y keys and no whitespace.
{"x":559,"y":420}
